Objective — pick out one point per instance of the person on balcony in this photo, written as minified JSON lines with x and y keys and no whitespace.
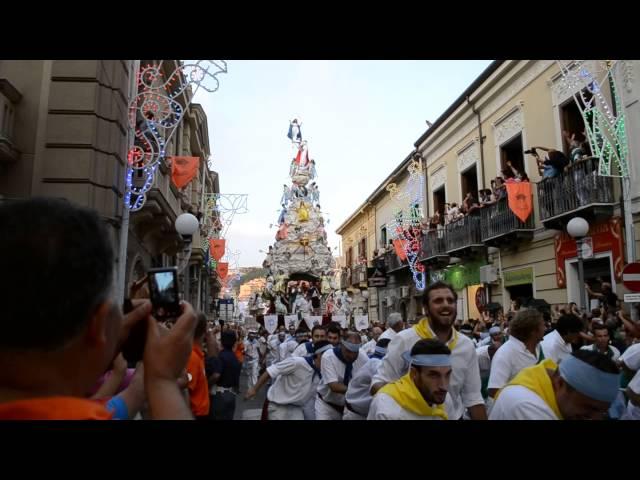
{"x":453,"y":213}
{"x":487,"y":198}
{"x":470,"y":204}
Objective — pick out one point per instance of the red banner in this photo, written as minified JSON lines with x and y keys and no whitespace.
{"x":520,"y":199}
{"x":605,"y":236}
{"x":216,"y":247}
{"x":223,"y":270}
{"x":400,"y":251}
{"x":183,"y":169}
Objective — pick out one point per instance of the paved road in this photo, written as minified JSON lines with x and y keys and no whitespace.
{"x":249,"y":409}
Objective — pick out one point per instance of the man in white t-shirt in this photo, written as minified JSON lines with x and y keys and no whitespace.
{"x":273,"y":347}
{"x":358,"y":398}
{"x":295,"y":380}
{"x":421,"y":393}
{"x":633,"y":394}
{"x":306,"y":348}
{"x":582,"y":387}
{"x":522,"y":350}
{"x":394,"y":325}
{"x":338,"y":367}
{"x":440,"y":303}
{"x":556,"y":345}
{"x":370,"y":346}
{"x":601,"y":342}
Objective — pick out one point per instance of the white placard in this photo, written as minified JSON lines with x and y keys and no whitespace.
{"x":289,"y":319}
{"x":312,"y":320}
{"x":270,"y":323}
{"x":362,"y":322}
{"x":631,"y":297}
{"x":341,"y":319}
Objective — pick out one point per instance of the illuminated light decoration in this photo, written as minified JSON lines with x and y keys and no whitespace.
{"x":406,"y":224}
{"x":161,"y":114}
{"x":605,"y":132}
{"x":224,"y":207}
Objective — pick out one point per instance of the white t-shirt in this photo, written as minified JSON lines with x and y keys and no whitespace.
{"x":333,"y":371}
{"x":388,"y":333}
{"x":631,"y":357}
{"x":614,"y":350}
{"x":287,"y":348}
{"x":509,"y":359}
{"x":484,"y":361}
{"x":369,"y":347}
{"x":358,"y":393}
{"x":384,"y":407}
{"x":465,"y":384}
{"x":634,"y":384}
{"x":516,"y":402}
{"x":251,"y":351}
{"x":301,"y":350}
{"x":273,"y":350}
{"x":294,"y":382}
{"x":554,"y":347}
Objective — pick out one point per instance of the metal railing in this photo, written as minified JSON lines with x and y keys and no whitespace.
{"x":434,"y":243}
{"x":577,"y":187}
{"x":344,"y":279}
{"x":463,"y":233}
{"x":498,"y":220}
{"x":358,"y":274}
{"x":393,"y":262}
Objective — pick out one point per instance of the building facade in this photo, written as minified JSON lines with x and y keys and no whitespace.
{"x":65,"y":133}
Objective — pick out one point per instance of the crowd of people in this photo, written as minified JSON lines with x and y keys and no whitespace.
{"x":69,"y":354}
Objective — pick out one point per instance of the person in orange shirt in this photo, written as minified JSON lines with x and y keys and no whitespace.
{"x":238,"y":348}
{"x":61,"y":324}
{"x":198,"y":386}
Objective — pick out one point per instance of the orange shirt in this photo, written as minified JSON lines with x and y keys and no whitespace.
{"x":238,"y":349}
{"x":54,"y":408}
{"x":198,"y":386}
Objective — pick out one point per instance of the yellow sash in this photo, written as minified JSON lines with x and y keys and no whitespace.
{"x":424,"y":331}
{"x":537,"y":380}
{"x":407,"y":395}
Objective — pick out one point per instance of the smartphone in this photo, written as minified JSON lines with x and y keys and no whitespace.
{"x":165,"y":296}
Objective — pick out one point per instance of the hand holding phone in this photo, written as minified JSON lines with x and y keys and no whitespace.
{"x":165,"y":296}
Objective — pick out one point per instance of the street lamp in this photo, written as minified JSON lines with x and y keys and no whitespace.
{"x":186,"y":225}
{"x":578,"y":228}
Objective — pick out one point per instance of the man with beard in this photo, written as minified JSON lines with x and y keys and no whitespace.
{"x":420,"y":394}
{"x":464,"y":389}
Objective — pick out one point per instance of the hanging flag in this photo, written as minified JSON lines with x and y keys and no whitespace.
{"x":270,"y":323}
{"x":312,"y":320}
{"x":519,"y":197}
{"x":341,"y":319}
{"x":223,"y":270}
{"x":216,"y":247}
{"x":362,"y":322}
{"x":400,"y":250}
{"x":183,"y":169}
{"x":291,"y":320}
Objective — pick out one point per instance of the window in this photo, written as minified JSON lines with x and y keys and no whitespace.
{"x":383,"y":236}
{"x":469,"y":182}
{"x":362,"y":249}
{"x":571,"y":120}
{"x":438,"y":203}
{"x":350,"y":257}
{"x":512,"y":151}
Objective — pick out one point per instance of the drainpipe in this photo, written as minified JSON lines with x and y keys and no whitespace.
{"x":473,"y":109}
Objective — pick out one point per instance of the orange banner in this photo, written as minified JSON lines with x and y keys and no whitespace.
{"x":223,"y":270}
{"x":183,"y":169}
{"x":520,"y":199}
{"x":216,"y":247}
{"x":400,"y":251}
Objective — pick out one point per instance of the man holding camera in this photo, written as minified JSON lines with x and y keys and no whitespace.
{"x":59,"y":344}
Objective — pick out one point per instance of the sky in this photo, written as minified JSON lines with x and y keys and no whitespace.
{"x":360,"y":119}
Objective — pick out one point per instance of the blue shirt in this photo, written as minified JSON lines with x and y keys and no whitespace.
{"x":229,"y":368}
{"x":548,"y":171}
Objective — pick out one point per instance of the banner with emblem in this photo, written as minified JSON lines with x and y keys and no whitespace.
{"x":270,"y":323}
{"x":362,"y":322}
{"x":289,"y":319}
{"x":312,"y":320}
{"x":183,"y":169}
{"x":341,"y":319}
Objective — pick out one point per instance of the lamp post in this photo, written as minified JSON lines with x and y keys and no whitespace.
{"x":578,"y":228}
{"x":186,"y":225}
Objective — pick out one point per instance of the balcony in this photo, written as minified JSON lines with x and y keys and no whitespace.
{"x":344,"y":278}
{"x":393,"y":262}
{"x":434,"y":248}
{"x":359,"y":276}
{"x":463,"y":237}
{"x":500,"y":226}
{"x":579,"y":191}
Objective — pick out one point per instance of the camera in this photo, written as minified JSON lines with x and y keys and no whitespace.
{"x":165,"y":296}
{"x":531,"y":151}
